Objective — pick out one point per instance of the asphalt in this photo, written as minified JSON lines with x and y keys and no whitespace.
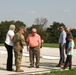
{"x":49,"y":59}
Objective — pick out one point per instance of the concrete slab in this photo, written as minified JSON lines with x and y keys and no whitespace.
{"x":50,"y":58}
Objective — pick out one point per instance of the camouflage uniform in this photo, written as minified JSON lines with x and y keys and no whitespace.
{"x":19,"y":42}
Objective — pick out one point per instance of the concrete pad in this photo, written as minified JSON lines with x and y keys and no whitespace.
{"x":48,"y":61}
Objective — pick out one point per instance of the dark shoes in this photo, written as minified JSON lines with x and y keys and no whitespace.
{"x":60,"y":65}
{"x":30,"y":66}
{"x":10,"y":69}
{"x":33,"y":66}
{"x":37,"y":66}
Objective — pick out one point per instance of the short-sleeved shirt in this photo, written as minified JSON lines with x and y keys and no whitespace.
{"x":71,"y":45}
{"x":33,"y":40}
{"x":8,"y":40}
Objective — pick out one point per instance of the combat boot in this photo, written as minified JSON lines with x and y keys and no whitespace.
{"x":19,"y":70}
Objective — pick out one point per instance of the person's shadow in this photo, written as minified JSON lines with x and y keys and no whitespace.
{"x":1,"y":68}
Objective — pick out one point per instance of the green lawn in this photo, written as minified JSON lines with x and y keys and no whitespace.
{"x":1,"y":44}
{"x":53,"y":45}
{"x":66,"y":72}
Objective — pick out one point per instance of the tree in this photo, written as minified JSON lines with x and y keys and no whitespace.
{"x":18,"y":24}
{"x":40,"y":31}
{"x":39,"y":25}
{"x":4,"y":26}
{"x":74,"y":33}
{"x":53,"y":32}
{"x":42,"y":22}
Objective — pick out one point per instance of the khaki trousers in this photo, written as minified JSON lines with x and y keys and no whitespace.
{"x":34,"y":52}
{"x":18,"y":57}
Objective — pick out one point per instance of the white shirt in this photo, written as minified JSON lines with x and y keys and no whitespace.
{"x":8,"y":40}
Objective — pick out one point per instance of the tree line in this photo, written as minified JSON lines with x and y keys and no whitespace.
{"x":48,"y":34}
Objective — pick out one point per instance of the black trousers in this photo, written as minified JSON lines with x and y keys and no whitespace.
{"x":68,"y":60}
{"x":62,"y":57}
{"x":9,"y":57}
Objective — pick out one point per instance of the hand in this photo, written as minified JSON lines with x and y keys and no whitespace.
{"x":69,"y":50}
{"x":28,"y":48}
{"x":62,"y":44}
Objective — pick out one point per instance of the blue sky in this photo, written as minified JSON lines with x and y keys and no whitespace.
{"x":62,"y":11}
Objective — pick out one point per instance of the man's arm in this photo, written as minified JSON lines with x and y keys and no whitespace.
{"x":23,"y":40}
{"x":28,"y":47}
{"x":27,"y":41}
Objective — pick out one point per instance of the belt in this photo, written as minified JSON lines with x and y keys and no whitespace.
{"x":33,"y":47}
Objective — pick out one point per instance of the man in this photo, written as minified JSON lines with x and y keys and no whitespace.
{"x":33,"y":46}
{"x":19,"y":42}
{"x":68,"y":31}
{"x":62,"y":42}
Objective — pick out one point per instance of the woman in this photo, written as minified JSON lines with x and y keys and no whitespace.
{"x":9,"y":47}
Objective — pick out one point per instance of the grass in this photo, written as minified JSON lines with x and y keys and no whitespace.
{"x":66,"y":72}
{"x":45,"y":45}
{"x":54,"y":45}
{"x":1,"y":44}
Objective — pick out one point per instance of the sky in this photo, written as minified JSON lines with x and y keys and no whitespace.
{"x":62,"y":11}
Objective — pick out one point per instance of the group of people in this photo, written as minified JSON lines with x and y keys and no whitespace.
{"x":16,"y":42}
{"x":66,"y":44}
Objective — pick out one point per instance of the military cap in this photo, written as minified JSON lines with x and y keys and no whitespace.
{"x":23,"y":28}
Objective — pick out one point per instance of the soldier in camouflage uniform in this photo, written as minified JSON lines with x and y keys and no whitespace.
{"x":19,"y":42}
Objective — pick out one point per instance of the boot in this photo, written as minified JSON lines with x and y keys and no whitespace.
{"x":19,"y":70}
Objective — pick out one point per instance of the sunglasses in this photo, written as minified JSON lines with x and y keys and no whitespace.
{"x":61,"y":28}
{"x":33,"y":32}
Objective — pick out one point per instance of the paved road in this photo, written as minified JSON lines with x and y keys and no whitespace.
{"x":50,"y":58}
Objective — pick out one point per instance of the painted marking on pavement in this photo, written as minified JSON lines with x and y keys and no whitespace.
{"x":27,"y":55}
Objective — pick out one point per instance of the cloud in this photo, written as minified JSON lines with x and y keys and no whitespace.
{"x":32,"y":12}
{"x":67,"y":11}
